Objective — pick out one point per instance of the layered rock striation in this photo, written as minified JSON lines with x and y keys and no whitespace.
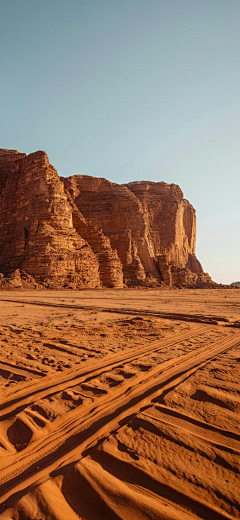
{"x":84,"y":231}
{"x":150,"y":225}
{"x":36,"y":227}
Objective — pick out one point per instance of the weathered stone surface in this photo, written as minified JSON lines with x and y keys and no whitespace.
{"x":9,"y":160}
{"x":151,"y":225}
{"x":89,"y":232}
{"x":119,"y":214}
{"x":110,"y":267}
{"x":36,"y":229}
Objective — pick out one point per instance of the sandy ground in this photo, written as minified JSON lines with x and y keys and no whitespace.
{"x":119,"y":404}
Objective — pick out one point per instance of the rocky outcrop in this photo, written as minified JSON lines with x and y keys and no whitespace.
{"x":89,"y":232}
{"x":118,"y":214}
{"x":36,"y":228}
{"x":151,"y":225}
{"x":18,"y":280}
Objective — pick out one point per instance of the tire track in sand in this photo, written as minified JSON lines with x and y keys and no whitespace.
{"x":69,"y":438}
{"x":14,"y":399}
{"x":198,"y":318}
{"x":163,"y":414}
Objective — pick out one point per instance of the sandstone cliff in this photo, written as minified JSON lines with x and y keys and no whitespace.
{"x":151,"y":225}
{"x":36,"y":228}
{"x":89,"y":232}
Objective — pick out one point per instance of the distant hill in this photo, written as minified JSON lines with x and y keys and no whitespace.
{"x":235,"y":283}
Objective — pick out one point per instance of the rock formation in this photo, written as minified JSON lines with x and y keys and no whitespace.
{"x":151,"y":225}
{"x":88,"y":232}
{"x":36,"y":229}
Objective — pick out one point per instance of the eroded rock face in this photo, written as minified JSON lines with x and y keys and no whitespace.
{"x":36,"y":228}
{"x":118,"y":213}
{"x":151,"y":225}
{"x":89,"y":232}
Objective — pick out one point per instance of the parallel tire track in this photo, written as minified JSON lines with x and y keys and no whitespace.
{"x":210,"y":433}
{"x":70,"y":437}
{"x":22,"y":371}
{"x":199,"y":318}
{"x":13,"y":399}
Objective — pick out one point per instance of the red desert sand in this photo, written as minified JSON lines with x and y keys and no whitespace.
{"x":119,"y":404}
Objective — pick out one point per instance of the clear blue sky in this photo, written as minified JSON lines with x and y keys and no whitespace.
{"x":132,"y":90}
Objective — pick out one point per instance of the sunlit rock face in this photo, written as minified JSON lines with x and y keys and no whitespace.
{"x":150,"y":225}
{"x":36,"y":227}
{"x":88,"y":232}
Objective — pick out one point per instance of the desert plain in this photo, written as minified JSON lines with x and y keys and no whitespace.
{"x":119,"y":404}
